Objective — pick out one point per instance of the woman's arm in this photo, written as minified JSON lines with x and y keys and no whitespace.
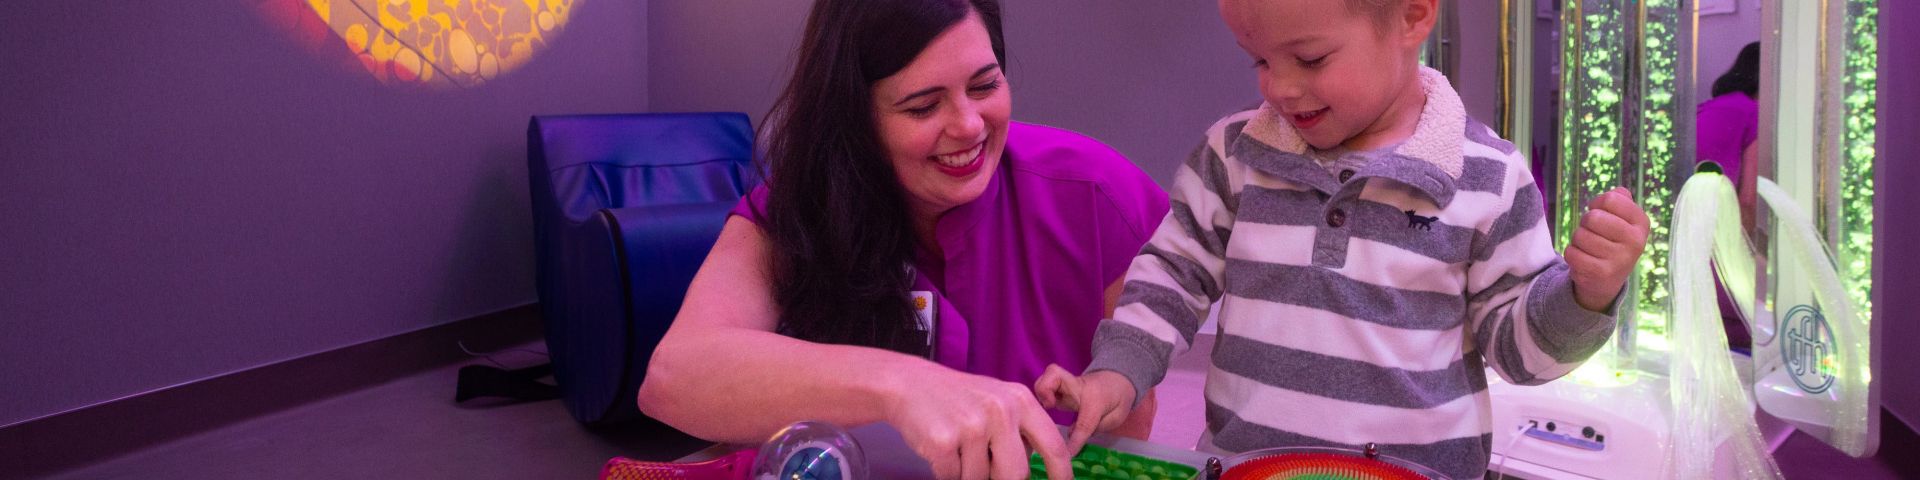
{"x":721,"y":373}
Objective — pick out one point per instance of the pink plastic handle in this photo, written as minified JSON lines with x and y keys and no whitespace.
{"x":732,"y":466}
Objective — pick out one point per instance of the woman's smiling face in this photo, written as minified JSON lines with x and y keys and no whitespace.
{"x":943,"y":119}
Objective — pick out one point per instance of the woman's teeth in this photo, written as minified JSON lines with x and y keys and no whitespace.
{"x":961,"y":159}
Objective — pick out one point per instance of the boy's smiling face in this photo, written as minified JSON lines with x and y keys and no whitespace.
{"x":1338,"y":75}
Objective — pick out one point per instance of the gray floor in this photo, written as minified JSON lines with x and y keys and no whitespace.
{"x":410,"y":428}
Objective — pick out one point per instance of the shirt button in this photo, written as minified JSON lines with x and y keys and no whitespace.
{"x":1346,"y":175}
{"x":1336,"y":218}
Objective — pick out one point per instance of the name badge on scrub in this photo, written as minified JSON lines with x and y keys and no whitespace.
{"x":927,"y":313}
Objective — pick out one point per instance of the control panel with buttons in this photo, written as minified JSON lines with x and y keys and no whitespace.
{"x":1569,"y":434}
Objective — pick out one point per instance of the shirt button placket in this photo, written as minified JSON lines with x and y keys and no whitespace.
{"x":1330,"y":243}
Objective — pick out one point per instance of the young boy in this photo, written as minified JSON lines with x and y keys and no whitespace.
{"x":1373,"y":251}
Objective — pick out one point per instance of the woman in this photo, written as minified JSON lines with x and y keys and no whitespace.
{"x":1729,"y":123}
{"x":915,"y":257}
{"x":1728,"y":126}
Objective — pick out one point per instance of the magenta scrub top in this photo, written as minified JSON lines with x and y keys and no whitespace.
{"x":1023,"y":280}
{"x":1725,"y":126}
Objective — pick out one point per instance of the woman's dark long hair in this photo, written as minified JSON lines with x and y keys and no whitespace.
{"x":1744,"y":76}
{"x":836,"y":214}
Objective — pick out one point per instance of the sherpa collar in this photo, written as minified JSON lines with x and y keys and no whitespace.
{"x":1431,"y":160}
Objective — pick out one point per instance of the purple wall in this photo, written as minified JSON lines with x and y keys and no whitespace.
{"x":722,"y":55}
{"x":186,"y":191}
{"x":1477,"y":77}
{"x":1721,"y":38}
{"x":1147,"y":79}
{"x":1899,"y":148}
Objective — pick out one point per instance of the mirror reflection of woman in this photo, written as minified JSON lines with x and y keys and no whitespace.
{"x":1729,"y":125}
{"x":1728,"y":129}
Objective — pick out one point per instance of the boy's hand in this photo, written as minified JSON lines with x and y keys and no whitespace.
{"x":1604,"y":249}
{"x":1103,"y":398}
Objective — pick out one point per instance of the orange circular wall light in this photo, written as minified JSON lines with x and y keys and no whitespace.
{"x":439,"y":43}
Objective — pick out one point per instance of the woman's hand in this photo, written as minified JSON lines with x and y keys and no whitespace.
{"x":1103,"y":398}
{"x":972,"y":426}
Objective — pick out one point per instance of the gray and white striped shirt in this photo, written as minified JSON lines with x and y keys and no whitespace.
{"x":1363,"y":309}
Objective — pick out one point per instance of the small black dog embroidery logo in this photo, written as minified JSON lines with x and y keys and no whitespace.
{"x":1414,"y":220}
